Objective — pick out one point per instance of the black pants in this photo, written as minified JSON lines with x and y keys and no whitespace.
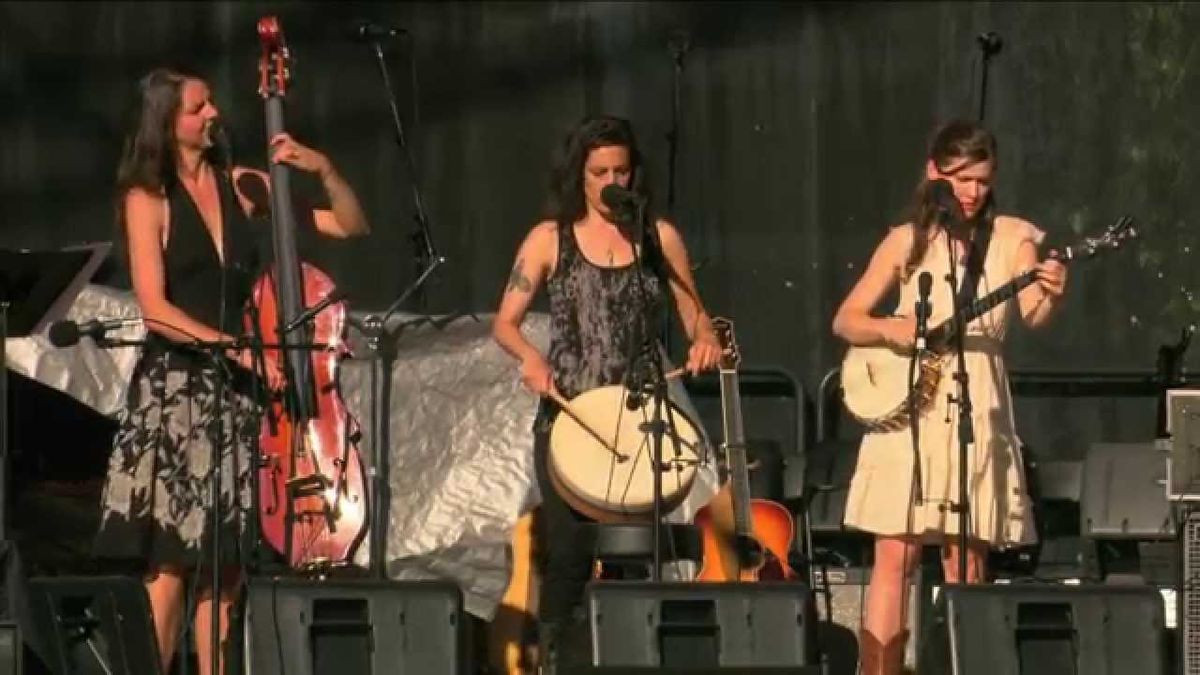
{"x":565,"y":542}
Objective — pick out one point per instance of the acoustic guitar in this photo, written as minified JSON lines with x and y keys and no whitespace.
{"x":744,"y":539}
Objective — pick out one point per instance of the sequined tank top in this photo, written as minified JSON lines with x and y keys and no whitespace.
{"x":594,"y":316}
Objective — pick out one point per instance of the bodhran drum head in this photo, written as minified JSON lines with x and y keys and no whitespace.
{"x":616,"y":483}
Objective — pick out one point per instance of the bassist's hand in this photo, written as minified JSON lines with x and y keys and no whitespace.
{"x":274,"y":374}
{"x":286,"y":150}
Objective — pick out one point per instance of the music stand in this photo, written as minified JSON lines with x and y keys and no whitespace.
{"x":36,"y":288}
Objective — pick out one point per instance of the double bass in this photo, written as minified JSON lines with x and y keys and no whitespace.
{"x":312,"y":497}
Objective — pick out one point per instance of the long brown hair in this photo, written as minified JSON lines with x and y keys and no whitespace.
{"x":952,"y":143}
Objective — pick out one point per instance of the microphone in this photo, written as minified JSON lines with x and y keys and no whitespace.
{"x":949,"y":211}
{"x":369,"y":31}
{"x":220,"y":140}
{"x":989,"y":43}
{"x":923,"y":308}
{"x":67,"y":333}
{"x":336,"y":295}
{"x":617,"y":198}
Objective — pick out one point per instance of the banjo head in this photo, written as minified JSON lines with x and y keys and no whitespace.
{"x":596,"y":482}
{"x":875,"y":386}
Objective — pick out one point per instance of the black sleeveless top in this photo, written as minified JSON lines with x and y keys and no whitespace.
{"x":196,"y":281}
{"x":594,"y":316}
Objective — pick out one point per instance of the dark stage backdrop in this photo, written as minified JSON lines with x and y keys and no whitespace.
{"x":801,"y":137}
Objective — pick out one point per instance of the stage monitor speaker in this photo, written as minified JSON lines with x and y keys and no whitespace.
{"x":1123,"y":492}
{"x":734,"y":626}
{"x":93,"y":625}
{"x":11,"y":648}
{"x":356,"y":627}
{"x":1046,"y":630}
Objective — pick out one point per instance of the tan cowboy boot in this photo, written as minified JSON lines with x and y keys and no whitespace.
{"x":869,"y":652}
{"x":875,"y":658}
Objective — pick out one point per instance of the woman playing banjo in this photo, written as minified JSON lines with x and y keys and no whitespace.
{"x":588,"y":262}
{"x":881,"y":498}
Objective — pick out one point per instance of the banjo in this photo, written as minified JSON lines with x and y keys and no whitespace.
{"x":875,"y":378}
{"x":601,"y":454}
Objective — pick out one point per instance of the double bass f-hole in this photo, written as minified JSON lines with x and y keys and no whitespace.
{"x":312,"y":492}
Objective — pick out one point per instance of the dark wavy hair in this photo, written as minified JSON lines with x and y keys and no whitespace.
{"x":952,"y":142}
{"x":566,"y":202}
{"x":148,"y":154}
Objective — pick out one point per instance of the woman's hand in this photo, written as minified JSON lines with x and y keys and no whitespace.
{"x":286,"y":150}
{"x":274,"y":374}
{"x":900,"y":332}
{"x":704,"y":354}
{"x":1052,"y":277}
{"x":537,"y":376}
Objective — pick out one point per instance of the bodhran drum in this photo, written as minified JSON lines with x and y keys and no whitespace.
{"x":612,"y":481}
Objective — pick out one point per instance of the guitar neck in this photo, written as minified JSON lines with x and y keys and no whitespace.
{"x":735,"y":450}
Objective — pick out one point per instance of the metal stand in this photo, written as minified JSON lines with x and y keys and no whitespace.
{"x":679,"y":44}
{"x":647,"y":375}
{"x":990,"y":45}
{"x":427,"y":257}
{"x":381,"y":341}
{"x":966,"y":427}
{"x":4,"y":426}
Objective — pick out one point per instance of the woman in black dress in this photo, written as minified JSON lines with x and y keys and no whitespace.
{"x":192,"y":261}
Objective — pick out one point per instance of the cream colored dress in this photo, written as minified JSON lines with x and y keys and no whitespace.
{"x":880,"y":498}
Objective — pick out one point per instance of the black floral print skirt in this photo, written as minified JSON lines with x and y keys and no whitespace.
{"x":157,"y":500}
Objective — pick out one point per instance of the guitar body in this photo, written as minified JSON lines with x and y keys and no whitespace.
{"x":725,"y":553}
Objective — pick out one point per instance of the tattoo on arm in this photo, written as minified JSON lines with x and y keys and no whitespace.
{"x":517,"y":281}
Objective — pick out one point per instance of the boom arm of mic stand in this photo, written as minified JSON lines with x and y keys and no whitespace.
{"x":426,"y":251}
{"x":434,"y":263}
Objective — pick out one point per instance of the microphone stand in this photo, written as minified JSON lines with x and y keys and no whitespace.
{"x":966,"y":428}
{"x":989,"y":46}
{"x":651,"y":365}
{"x":679,"y":45}
{"x":923,"y":309}
{"x":426,"y":255}
{"x":381,"y":341}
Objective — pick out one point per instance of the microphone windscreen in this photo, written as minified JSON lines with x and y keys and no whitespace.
{"x":924,"y":284}
{"x":64,"y":333}
{"x":615,"y":197}
{"x":942,"y":191}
